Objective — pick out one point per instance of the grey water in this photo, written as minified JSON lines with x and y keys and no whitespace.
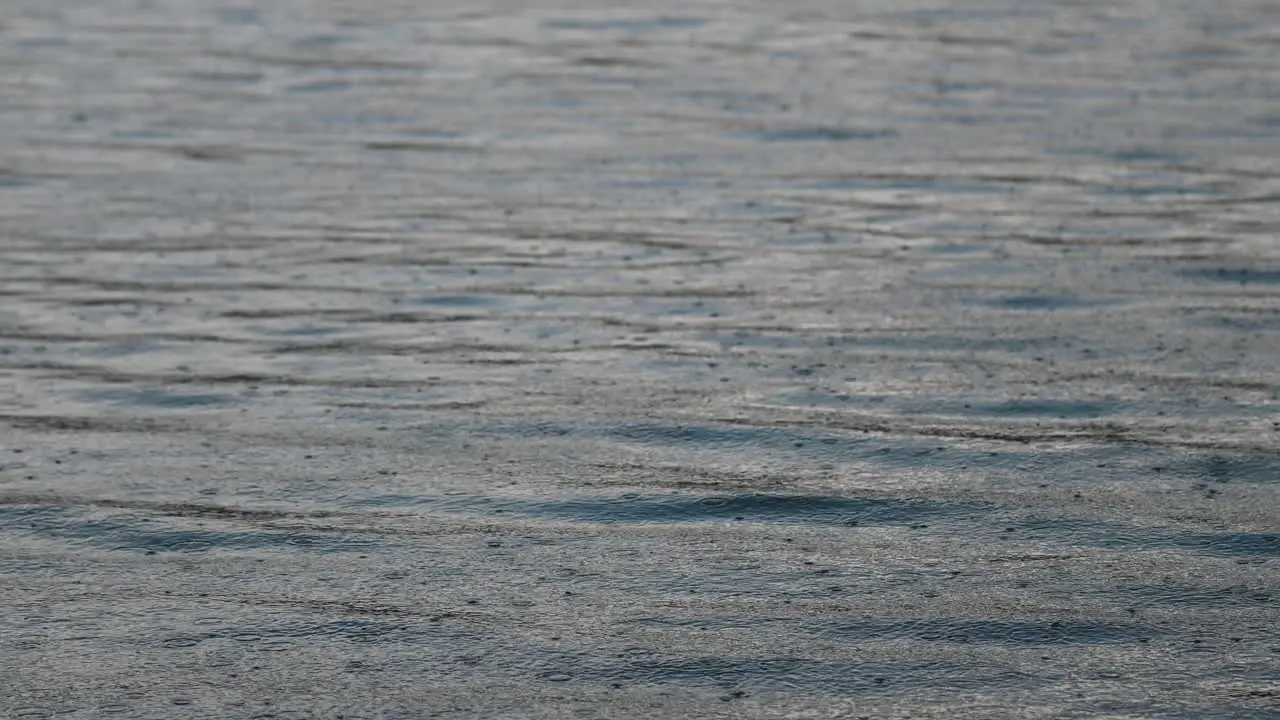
{"x":884,"y":359}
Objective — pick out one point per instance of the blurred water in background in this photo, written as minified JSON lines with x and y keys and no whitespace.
{"x":696,"y":359}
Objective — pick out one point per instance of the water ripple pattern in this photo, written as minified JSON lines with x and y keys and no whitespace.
{"x":385,"y":359}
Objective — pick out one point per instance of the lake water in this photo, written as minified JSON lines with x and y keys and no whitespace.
{"x":393,"y":359}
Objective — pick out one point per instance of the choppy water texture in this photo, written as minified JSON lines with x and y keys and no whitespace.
{"x":684,"y":359}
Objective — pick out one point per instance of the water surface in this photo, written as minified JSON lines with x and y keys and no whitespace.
{"x":812,"y":359}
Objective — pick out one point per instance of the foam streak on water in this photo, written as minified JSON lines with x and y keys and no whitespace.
{"x":678,"y":359}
